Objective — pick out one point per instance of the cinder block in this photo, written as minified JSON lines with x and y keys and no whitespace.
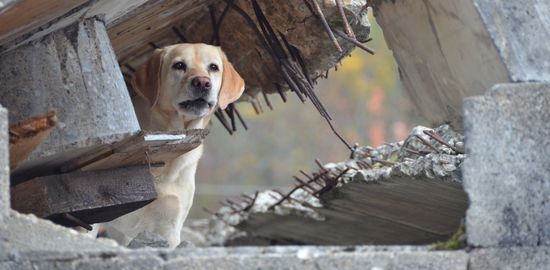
{"x":4,"y":163}
{"x":507,"y":173}
{"x":73,"y":71}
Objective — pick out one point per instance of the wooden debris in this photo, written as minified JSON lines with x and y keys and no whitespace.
{"x":25,"y":136}
{"x":91,"y":197}
{"x":143,"y":148}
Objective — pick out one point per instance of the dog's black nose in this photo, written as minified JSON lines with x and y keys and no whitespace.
{"x":201,"y":83}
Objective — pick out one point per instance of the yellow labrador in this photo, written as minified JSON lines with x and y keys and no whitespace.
{"x":178,"y":88}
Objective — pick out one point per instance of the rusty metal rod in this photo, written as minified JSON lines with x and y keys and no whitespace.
{"x":281,"y":93}
{"x":347,"y":26}
{"x":319,"y":14}
{"x":219,"y":114}
{"x":230,"y":111}
{"x":77,"y":221}
{"x":354,"y":41}
{"x":438,"y":138}
{"x":267,"y":101}
{"x":179,"y":34}
{"x":248,"y":207}
{"x":426,"y":143}
{"x":153,"y":45}
{"x":240,"y":118}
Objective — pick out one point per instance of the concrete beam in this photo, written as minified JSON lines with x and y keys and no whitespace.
{"x":449,"y":50}
{"x":291,"y":257}
{"x":507,"y":174}
{"x":74,"y":72}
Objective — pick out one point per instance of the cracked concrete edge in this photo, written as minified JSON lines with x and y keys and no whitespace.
{"x":288,"y":257}
{"x":23,"y":233}
{"x":4,"y":163}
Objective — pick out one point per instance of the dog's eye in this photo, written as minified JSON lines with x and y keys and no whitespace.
{"x":179,"y":66}
{"x":213,"y":67}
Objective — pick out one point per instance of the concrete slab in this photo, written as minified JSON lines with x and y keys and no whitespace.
{"x":507,"y":176}
{"x":292,"y":257}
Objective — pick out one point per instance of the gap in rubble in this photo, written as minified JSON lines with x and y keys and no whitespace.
{"x":365,"y":98}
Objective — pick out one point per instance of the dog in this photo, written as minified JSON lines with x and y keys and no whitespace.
{"x":178,"y":88}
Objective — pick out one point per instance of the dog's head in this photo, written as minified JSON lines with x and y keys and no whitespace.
{"x":191,"y":79}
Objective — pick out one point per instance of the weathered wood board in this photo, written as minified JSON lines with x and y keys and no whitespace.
{"x":96,"y":196}
{"x":399,"y":210}
{"x":143,"y":148}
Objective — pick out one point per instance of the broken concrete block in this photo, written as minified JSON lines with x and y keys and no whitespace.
{"x":507,"y":174}
{"x":510,"y":258}
{"x":290,"y":257}
{"x":148,"y":239}
{"x":74,"y":72}
{"x":4,"y":163}
{"x":506,"y":42}
{"x":20,"y":233}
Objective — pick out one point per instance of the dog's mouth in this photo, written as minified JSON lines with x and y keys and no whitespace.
{"x":199,"y":103}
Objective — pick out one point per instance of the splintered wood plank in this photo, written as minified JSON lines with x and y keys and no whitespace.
{"x":398,"y":210}
{"x":25,"y":136}
{"x":26,"y":15}
{"x":143,"y":148}
{"x":153,"y":148}
{"x":96,"y":196}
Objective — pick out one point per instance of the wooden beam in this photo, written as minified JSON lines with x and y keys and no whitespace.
{"x":25,"y":136}
{"x":96,"y":196}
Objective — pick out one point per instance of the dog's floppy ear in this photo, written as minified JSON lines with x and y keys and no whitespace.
{"x":232,"y":84}
{"x":146,"y":80}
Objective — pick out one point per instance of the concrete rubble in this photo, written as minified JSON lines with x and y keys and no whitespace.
{"x":446,"y":50}
{"x":412,"y":159}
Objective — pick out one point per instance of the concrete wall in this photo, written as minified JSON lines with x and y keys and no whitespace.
{"x":448,"y":50}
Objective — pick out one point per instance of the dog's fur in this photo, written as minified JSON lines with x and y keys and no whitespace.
{"x":169,"y":100}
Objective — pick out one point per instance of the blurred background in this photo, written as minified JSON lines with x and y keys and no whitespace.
{"x":364,"y":97}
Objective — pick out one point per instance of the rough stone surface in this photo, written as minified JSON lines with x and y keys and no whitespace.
{"x":74,"y":72}
{"x":4,"y":163}
{"x":510,"y":258}
{"x":444,"y":54}
{"x":507,"y":175}
{"x":519,"y":30}
{"x":148,"y":239}
{"x":292,"y":257}
{"x":20,"y":233}
{"x":506,"y":42}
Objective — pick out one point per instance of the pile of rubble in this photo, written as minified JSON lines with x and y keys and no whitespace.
{"x":433,"y":156}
